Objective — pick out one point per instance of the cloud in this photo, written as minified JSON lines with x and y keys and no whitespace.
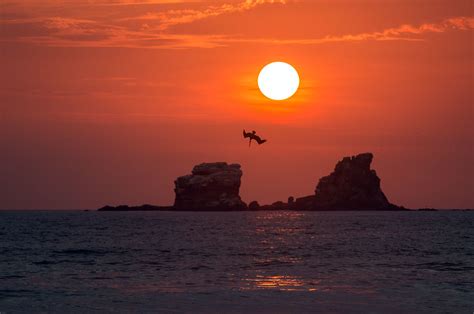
{"x":77,"y":32}
{"x":404,"y":32}
{"x":176,"y":17}
{"x":154,"y":30}
{"x":54,"y":3}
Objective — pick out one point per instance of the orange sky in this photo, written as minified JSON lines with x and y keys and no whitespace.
{"x":107,"y":102}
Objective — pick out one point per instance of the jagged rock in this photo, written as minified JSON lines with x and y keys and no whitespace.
{"x":352,"y":186}
{"x":211,"y":186}
{"x":254,"y":205}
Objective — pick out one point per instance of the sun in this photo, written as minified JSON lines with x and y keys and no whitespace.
{"x":278,"y":81}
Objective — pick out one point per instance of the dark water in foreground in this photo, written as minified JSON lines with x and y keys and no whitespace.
{"x":274,"y":262}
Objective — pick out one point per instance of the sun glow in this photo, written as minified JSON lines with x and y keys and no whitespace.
{"x":278,"y":81}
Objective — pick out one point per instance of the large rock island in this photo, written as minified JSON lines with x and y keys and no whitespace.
{"x":353,"y":185}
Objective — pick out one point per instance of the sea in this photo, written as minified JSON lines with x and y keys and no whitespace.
{"x":236,"y":262}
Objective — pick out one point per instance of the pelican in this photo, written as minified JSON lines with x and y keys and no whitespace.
{"x":253,"y":136}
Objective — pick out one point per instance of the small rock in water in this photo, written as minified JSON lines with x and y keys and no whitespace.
{"x":254,"y":205}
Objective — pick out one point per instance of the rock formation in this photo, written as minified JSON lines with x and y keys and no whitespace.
{"x":351,"y":186}
{"x":126,"y":208}
{"x":215,"y":186}
{"x":304,"y":203}
{"x":211,"y":186}
{"x":291,"y":200}
{"x":254,"y":205}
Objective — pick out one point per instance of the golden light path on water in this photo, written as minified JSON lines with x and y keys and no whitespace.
{"x":280,"y":282}
{"x":279,"y":234}
{"x":276,"y":235}
{"x":268,"y":224}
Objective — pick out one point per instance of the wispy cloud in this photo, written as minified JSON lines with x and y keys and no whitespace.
{"x":176,"y":17}
{"x":79,"y":32}
{"x":154,"y":30}
{"x":405,"y":32}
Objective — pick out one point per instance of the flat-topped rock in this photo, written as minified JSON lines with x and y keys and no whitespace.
{"x":210,"y":186}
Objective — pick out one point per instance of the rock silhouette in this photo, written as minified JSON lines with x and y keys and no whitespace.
{"x":352,"y":185}
{"x":215,"y":187}
{"x":254,"y":205}
{"x":126,"y":208}
{"x":211,"y":186}
{"x":304,"y":203}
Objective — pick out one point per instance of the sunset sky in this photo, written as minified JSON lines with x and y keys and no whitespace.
{"x":107,"y":102}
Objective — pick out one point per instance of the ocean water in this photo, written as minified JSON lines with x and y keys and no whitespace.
{"x":237,"y":262}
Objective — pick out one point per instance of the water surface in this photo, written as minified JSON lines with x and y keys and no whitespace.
{"x":265,"y":262}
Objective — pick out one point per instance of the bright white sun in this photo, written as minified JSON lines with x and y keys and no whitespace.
{"x":278,"y":80}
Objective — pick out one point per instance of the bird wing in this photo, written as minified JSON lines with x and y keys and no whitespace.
{"x":247,"y":134}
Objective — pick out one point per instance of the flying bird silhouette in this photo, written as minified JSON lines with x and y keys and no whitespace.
{"x":253,"y":136}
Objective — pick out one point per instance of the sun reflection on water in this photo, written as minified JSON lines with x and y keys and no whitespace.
{"x":279,"y":282}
